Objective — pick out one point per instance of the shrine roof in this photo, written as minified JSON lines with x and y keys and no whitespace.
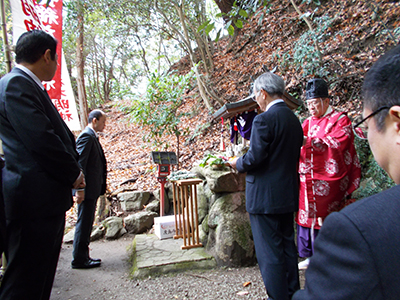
{"x":247,"y":104}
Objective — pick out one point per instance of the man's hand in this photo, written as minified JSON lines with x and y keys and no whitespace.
{"x":233,"y":162}
{"x":79,"y":182}
{"x":79,"y":196}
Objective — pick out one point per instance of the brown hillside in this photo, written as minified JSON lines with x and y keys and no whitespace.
{"x":357,"y":37}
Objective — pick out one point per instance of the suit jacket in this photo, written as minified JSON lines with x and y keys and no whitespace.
{"x":272,"y":182}
{"x":39,"y":149}
{"x":357,"y":252}
{"x":93,"y":163}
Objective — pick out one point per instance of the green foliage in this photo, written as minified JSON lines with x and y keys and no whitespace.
{"x":159,"y":108}
{"x":239,"y":14}
{"x":305,"y":55}
{"x":283,"y":59}
{"x":211,"y":159}
{"x":373,"y":178}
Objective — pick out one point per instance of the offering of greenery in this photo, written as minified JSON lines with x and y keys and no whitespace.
{"x":211,"y":159}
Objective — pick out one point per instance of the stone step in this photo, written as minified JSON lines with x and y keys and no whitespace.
{"x":152,"y":256}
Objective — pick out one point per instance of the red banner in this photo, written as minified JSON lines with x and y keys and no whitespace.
{"x":28,"y":15}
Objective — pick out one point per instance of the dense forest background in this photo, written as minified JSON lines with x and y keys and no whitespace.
{"x":161,"y":68}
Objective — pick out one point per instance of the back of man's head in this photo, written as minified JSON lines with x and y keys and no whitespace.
{"x":32,"y":45}
{"x":381,"y":85}
{"x":271,"y":83}
{"x":95,"y":114}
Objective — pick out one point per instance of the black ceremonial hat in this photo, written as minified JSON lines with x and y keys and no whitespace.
{"x":316,"y":88}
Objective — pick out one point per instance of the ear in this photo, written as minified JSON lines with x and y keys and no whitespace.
{"x":264,"y":92}
{"x":47,"y":56}
{"x":394,"y":119}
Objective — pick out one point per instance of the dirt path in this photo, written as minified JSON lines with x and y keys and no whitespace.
{"x":111,"y":280}
{"x":100,"y":283}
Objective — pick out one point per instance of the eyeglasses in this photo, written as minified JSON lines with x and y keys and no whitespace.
{"x":313,"y":102}
{"x":360,"y":129}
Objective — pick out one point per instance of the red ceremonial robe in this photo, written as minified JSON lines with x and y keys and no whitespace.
{"x":329,"y":167}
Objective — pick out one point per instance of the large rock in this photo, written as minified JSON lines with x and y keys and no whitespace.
{"x":133,"y":201}
{"x":97,"y":232}
{"x":153,"y":206}
{"x":114,"y":228}
{"x":140,"y":222}
{"x":202,"y":200}
{"x":225,"y":180}
{"x":230,"y":239}
{"x":69,"y":237}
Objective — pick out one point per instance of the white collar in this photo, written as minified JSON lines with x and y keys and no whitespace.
{"x":273,"y":103}
{"x":31,"y":74}
{"x":328,"y":111}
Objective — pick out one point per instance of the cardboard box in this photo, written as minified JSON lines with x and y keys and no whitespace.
{"x":164,"y":227}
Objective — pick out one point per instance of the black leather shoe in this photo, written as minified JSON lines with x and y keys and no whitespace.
{"x":95,"y":259}
{"x":86,"y":265}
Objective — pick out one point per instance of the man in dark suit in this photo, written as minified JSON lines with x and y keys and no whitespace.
{"x":94,"y":166}
{"x":357,"y":251}
{"x":41,"y":168}
{"x":272,"y":186}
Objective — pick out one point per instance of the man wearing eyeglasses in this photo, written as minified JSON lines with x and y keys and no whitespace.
{"x":272,"y":186}
{"x":357,"y":252}
{"x":329,"y":167}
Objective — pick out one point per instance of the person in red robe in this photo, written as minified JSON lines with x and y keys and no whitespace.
{"x":329,"y":167}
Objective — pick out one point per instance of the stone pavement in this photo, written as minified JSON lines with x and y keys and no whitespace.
{"x":151,"y":256}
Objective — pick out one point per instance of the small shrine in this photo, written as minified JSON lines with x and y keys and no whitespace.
{"x":241,"y":115}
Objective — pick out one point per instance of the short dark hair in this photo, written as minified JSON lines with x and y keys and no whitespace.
{"x":95,"y":114}
{"x":381,"y":85}
{"x":33,"y":44}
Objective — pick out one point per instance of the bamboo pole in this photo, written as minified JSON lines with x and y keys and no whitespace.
{"x":4,"y":30}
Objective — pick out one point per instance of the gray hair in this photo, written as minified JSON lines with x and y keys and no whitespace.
{"x":271,"y":83}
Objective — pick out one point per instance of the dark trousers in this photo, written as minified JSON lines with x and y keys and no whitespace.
{"x":33,"y":250}
{"x":3,"y":247}
{"x":83,"y":229}
{"x":276,"y":253}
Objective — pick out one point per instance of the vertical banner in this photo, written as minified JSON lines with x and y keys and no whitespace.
{"x":28,"y":15}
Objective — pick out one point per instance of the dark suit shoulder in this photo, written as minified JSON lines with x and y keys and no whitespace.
{"x":357,"y":252}
{"x":382,"y":204}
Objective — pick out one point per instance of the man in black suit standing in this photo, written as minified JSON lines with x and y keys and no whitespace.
{"x":272,"y":186}
{"x":41,"y":168}
{"x":94,"y":166}
{"x":357,"y":251}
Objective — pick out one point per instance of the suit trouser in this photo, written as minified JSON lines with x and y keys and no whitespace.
{"x":83,"y":230}
{"x":3,"y":226}
{"x":276,"y":253}
{"x":33,"y":249}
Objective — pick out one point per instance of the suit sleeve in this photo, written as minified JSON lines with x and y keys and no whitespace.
{"x":84,"y":144}
{"x":27,"y":115}
{"x":259,"y":145}
{"x":342,"y":266}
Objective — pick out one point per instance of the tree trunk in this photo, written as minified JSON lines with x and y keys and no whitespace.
{"x":224,"y":6}
{"x":187,"y":43}
{"x":80,"y":66}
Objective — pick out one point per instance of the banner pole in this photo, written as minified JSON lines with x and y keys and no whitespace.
{"x":4,"y":29}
